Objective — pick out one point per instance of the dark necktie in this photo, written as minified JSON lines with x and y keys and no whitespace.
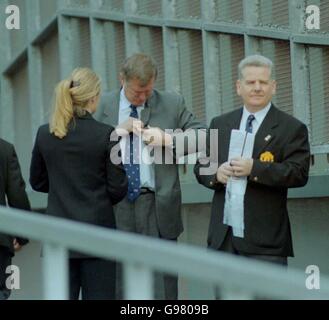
{"x":132,"y":163}
{"x":250,"y":119}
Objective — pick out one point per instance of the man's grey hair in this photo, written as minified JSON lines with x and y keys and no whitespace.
{"x":255,"y":60}
{"x":139,"y":66}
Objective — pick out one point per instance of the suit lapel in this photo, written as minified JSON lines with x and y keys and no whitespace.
{"x":266,"y":132}
{"x":111,"y":110}
{"x":234,"y":121}
{"x":146,"y":112}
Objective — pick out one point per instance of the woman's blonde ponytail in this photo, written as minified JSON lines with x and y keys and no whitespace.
{"x":71,"y":98}
{"x":63,"y":109}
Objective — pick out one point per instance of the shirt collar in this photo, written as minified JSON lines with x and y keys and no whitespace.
{"x":259,"y":115}
{"x":125,"y":102}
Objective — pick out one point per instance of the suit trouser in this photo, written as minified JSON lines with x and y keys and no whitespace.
{"x":94,"y":277}
{"x":227,"y":246}
{"x":139,"y":217}
{"x":5,"y":261}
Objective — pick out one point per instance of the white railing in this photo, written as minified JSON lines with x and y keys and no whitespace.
{"x":141,"y":256}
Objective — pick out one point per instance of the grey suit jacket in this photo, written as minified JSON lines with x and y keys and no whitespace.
{"x":166,"y":111}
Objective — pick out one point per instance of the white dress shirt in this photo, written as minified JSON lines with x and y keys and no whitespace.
{"x":146,"y":169}
{"x":236,"y":187}
{"x":259,"y":118}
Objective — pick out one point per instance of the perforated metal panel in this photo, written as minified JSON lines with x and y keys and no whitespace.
{"x":230,"y":53}
{"x":83,"y":4}
{"x":231,"y":11}
{"x":22,"y":118}
{"x":274,"y":13}
{"x":116,"y":5}
{"x":188,"y":9}
{"x":319,"y":93}
{"x":278,"y":51}
{"x":81,"y":42}
{"x":324,"y":9}
{"x":19,"y":37}
{"x":115,"y":52}
{"x":191,"y":71}
{"x":149,"y":7}
{"x":150,"y":42}
{"x":50,"y":72}
{"x":324,"y":16}
{"x":47,"y":11}
{"x":283,"y":77}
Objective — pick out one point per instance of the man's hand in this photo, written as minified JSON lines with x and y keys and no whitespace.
{"x":241,"y":167}
{"x":17,"y":246}
{"x":156,"y":137}
{"x":130,"y":125}
{"x":224,"y":172}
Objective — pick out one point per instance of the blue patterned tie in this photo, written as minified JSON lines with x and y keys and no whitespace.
{"x":250,"y":119}
{"x":132,"y":163}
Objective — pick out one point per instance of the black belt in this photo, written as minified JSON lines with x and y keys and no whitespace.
{"x":145,"y":190}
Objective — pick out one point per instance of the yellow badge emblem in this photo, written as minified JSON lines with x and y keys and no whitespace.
{"x":267,"y":157}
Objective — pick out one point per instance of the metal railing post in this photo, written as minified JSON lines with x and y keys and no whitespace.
{"x":236,"y":294}
{"x":55,"y":272}
{"x":247,"y":278}
{"x":138,"y":282}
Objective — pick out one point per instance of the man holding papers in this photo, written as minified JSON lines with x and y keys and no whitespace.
{"x":261,"y":152}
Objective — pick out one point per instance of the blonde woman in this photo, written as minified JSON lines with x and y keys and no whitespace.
{"x":71,"y":162}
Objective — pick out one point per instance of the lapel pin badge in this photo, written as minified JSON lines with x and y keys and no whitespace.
{"x":267,"y":138}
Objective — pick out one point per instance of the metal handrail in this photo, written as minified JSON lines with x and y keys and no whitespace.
{"x":142,"y":255}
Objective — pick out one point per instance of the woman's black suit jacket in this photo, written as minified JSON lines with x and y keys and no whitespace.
{"x":77,"y":172}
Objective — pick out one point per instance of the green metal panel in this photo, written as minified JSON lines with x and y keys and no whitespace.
{"x":309,"y":222}
{"x":19,"y":37}
{"x":81,"y":42}
{"x":211,"y":71}
{"x":324,"y":16}
{"x":22,"y":125}
{"x":116,"y":5}
{"x":188,"y":9}
{"x":150,"y":42}
{"x":149,"y":7}
{"x":114,"y":41}
{"x":283,"y":77}
{"x":319,"y":92}
{"x":171,"y":59}
{"x":231,"y":51}
{"x":48,"y":9}
{"x":191,"y":74}
{"x":230,"y":11}
{"x":81,"y":4}
{"x":319,"y":166}
{"x":274,"y":13}
{"x":324,"y":9}
{"x":50,"y":72}
{"x":278,"y":51}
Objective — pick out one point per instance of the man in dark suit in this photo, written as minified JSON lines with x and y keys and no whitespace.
{"x":153,"y":206}
{"x":280,"y":160}
{"x":12,"y":192}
